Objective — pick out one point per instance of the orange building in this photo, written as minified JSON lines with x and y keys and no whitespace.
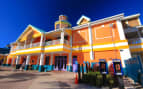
{"x":88,"y":42}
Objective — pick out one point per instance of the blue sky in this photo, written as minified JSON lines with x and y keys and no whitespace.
{"x":15,"y":15}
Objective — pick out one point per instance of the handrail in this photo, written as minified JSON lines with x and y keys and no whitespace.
{"x":53,"y":42}
{"x":135,"y":40}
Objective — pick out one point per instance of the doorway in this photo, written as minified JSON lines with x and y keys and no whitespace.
{"x":74,"y":64}
{"x":60,"y":63}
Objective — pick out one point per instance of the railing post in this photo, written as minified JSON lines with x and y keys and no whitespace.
{"x":25,"y":43}
{"x":62,"y":38}
{"x":31,"y":43}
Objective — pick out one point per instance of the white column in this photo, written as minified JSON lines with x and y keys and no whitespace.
{"x":31,"y":43}
{"x":17,"y":60}
{"x":7,"y":60}
{"x":124,"y":53}
{"x":27,"y":59}
{"x":42,"y":59}
{"x":51,"y":58}
{"x":12,"y":62}
{"x":90,"y":42}
{"x":18,"y":45}
{"x":120,"y":30}
{"x":70,"y":59}
{"x":42,"y":39}
{"x":38,"y":60}
{"x":71,"y":41}
{"x":11,"y":47}
{"x":62,"y":38}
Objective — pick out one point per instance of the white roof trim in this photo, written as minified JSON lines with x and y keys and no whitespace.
{"x":131,"y":16}
{"x":115,"y":17}
{"x":82,"y":17}
{"x":26,"y":30}
{"x":141,"y":26}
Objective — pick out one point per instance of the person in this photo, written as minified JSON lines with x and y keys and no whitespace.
{"x":22,"y":66}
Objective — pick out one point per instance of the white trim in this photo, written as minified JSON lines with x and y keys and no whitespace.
{"x":17,"y":60}
{"x":42,"y":59}
{"x":28,"y":60}
{"x":115,"y":17}
{"x":51,"y":59}
{"x":90,"y":42}
{"x":139,"y":21}
{"x":125,"y":55}
{"x":131,"y":16}
{"x":111,"y":45}
{"x":106,"y":36}
{"x":82,"y":17}
{"x":120,"y":30}
{"x":137,"y":46}
{"x":27,"y":28}
{"x":102,"y":46}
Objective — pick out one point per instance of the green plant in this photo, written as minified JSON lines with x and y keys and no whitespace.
{"x":99,"y":80}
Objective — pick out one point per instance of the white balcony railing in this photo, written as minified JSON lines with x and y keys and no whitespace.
{"x":35,"y":44}
{"x":66,"y":42}
{"x":53,"y":42}
{"x":135,"y":41}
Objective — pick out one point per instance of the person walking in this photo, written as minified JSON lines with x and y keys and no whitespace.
{"x":22,"y":66}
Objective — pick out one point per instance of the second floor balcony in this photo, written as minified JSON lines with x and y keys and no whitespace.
{"x":135,"y":41}
{"x":32,"y":45}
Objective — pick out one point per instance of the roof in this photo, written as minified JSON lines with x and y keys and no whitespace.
{"x":38,"y":29}
{"x":115,"y":17}
{"x":34,"y":28}
{"x":81,"y":18}
{"x":131,"y":16}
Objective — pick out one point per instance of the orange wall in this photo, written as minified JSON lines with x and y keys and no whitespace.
{"x":34,"y":58}
{"x":107,"y":55}
{"x":37,"y":40}
{"x":80,"y":38}
{"x":102,"y":32}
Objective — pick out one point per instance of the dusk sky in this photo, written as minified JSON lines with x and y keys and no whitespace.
{"x":15,"y":15}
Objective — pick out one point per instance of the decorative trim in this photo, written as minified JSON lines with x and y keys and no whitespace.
{"x":115,"y":17}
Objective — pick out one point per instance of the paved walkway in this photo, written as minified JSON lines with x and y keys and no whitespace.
{"x":10,"y":79}
{"x":39,"y":80}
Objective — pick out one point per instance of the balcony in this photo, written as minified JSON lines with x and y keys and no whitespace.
{"x":135,"y":41}
{"x":48,"y":43}
{"x":56,"y":42}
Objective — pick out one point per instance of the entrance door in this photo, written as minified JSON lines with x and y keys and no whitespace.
{"x":74,"y":64}
{"x":60,"y":63}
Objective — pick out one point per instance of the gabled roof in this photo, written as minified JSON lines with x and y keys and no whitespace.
{"x":33,"y":28}
{"x":38,"y":29}
{"x":107,"y":19}
{"x":83,"y":17}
